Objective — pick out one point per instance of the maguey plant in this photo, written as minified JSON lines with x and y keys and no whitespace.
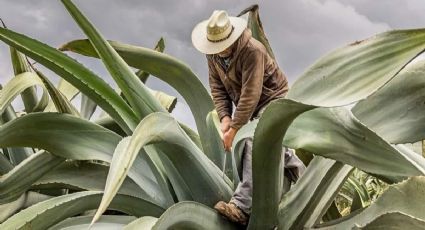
{"x":149,"y":171}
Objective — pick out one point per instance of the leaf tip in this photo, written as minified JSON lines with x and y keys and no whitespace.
{"x":95,"y":217}
{"x":2,"y":22}
{"x":63,"y":47}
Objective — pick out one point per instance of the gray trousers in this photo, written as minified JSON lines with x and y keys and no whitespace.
{"x":290,"y":163}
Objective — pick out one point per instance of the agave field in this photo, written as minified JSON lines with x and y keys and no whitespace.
{"x":137,"y":167}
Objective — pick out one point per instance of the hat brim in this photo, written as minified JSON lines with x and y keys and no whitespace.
{"x":201,"y":43}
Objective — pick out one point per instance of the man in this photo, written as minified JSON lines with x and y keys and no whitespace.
{"x":240,"y":71}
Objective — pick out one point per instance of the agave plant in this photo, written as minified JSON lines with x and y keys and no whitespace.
{"x":149,"y":171}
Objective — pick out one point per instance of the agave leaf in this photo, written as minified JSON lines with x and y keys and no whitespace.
{"x":83,"y":176}
{"x":169,"y":69}
{"x":160,"y":128}
{"x":335,"y":133}
{"x":16,"y":86}
{"x":176,"y":182}
{"x":5,"y":165}
{"x":47,"y":213}
{"x":254,"y":23}
{"x":266,"y":172}
{"x":329,"y":132}
{"x":192,"y":135}
{"x":166,"y":101}
{"x":140,"y":99}
{"x":394,"y":199}
{"x":88,"y":107}
{"x":78,"y":139}
{"x":213,"y":125}
{"x":401,"y":107}
{"x":68,"y":90}
{"x":7,"y":94}
{"x":71,"y":133}
{"x":61,"y":103}
{"x":19,"y":179}
{"x":353,"y":72}
{"x":325,"y":131}
{"x":16,"y":155}
{"x":346,"y":75}
{"x":76,"y":74}
{"x":308,"y":200}
{"x":192,"y":215}
{"x":143,"y":223}
{"x":25,"y":200}
{"x":106,"y":222}
{"x":142,"y":75}
{"x":110,"y":124}
{"x":29,"y":96}
{"x":394,"y":221}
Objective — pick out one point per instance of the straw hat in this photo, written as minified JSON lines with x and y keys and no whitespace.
{"x":215,"y":34}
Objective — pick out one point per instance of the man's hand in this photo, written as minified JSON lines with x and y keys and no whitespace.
{"x":225,"y":124}
{"x":228,"y":138}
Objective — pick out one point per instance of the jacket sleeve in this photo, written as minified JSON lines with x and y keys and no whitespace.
{"x":221,"y":99}
{"x":252,"y":84}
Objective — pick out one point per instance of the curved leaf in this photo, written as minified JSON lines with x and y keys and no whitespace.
{"x":68,"y":90}
{"x":143,"y":223}
{"x":140,"y":99}
{"x":19,"y":179}
{"x":27,"y":199}
{"x":353,"y":72}
{"x":5,"y":165}
{"x":77,"y":139}
{"x":206,"y":187}
{"x":142,"y":75}
{"x":106,"y":222}
{"x":169,"y":69}
{"x":18,"y":85}
{"x":266,"y":172}
{"x":399,"y":118}
{"x":109,"y":123}
{"x":192,"y":215}
{"x":335,"y":133}
{"x":87,"y":107}
{"x":15,"y":155}
{"x":76,"y":74}
{"x":61,"y":103}
{"x":29,"y":96}
{"x":176,"y":181}
{"x":307,"y":201}
{"x":166,"y":101}
{"x":83,"y":176}
{"x":394,"y":221}
{"x":213,"y":125}
{"x":47,"y":213}
{"x":329,"y":132}
{"x":344,"y":76}
{"x":254,"y":23}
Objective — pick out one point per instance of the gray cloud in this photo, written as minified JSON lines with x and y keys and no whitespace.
{"x":300,"y":31}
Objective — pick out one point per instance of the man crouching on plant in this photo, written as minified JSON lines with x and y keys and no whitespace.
{"x":241,"y":71}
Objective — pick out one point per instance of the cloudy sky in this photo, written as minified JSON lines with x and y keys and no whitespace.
{"x":300,"y":31}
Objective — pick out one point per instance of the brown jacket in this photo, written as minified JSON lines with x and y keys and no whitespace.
{"x":252,"y":80}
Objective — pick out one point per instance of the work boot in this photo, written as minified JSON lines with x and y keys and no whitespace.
{"x":232,"y":212}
